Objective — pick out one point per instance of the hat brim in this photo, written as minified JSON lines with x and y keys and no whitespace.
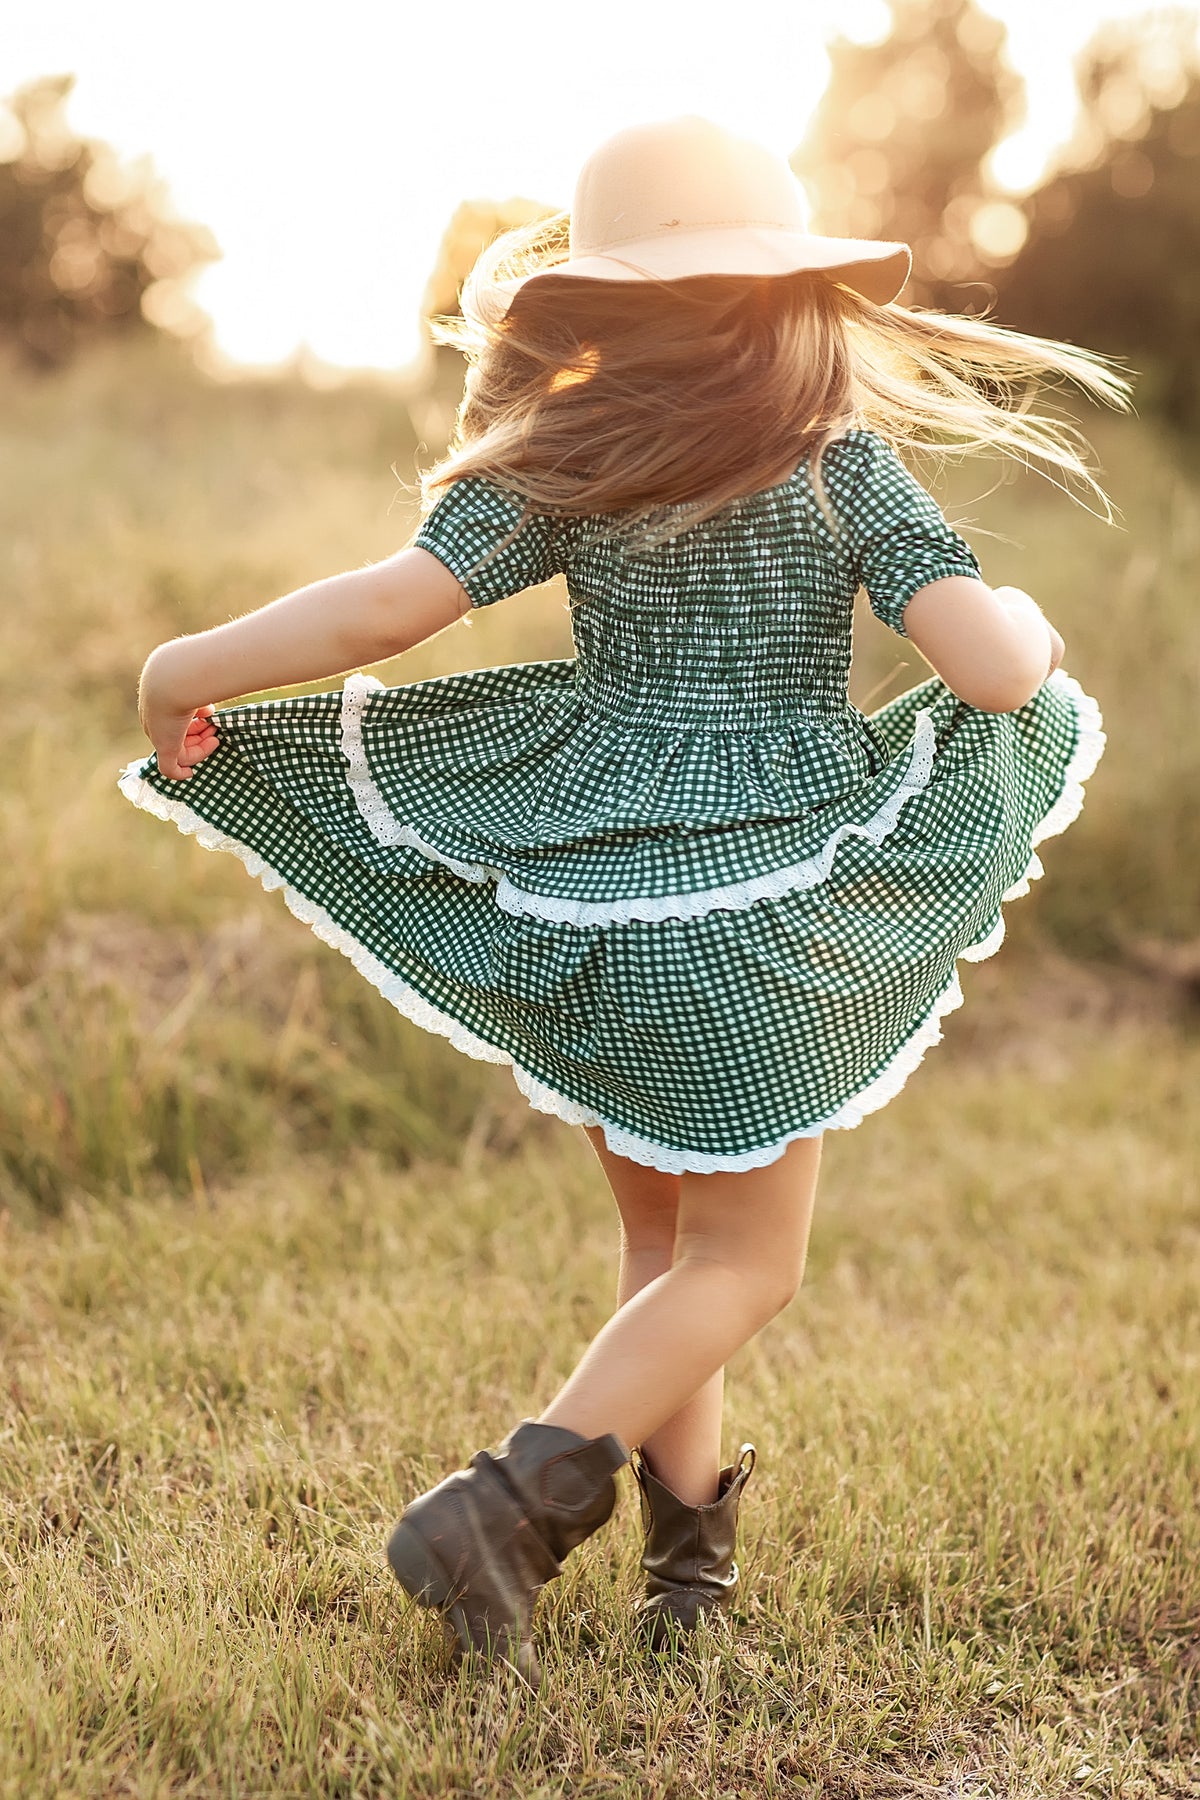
{"x":876,"y":270}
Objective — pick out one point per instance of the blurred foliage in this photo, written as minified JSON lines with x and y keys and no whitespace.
{"x":472,"y":228}
{"x":1114,"y":239}
{"x":87,"y":249}
{"x":898,"y":145}
{"x":1104,"y":252}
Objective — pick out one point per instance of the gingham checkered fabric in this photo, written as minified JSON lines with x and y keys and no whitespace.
{"x":677,"y":881}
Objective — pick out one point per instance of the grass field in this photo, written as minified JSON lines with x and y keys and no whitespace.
{"x":271,"y":1259}
{"x":969,"y":1551}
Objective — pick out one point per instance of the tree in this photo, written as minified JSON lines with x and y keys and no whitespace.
{"x":474,"y":225}
{"x":1114,"y":236}
{"x":898,"y":144}
{"x":87,"y":251}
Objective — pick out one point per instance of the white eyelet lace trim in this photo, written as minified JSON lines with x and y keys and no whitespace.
{"x":1087,"y":753}
{"x":385,"y":828}
{"x":645,"y":1151}
{"x":734,"y":895}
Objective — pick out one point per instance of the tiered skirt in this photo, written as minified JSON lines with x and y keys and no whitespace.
{"x":688,"y":939}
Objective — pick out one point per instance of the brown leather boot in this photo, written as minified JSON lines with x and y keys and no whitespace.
{"x":688,"y":1555}
{"x":480,"y":1544}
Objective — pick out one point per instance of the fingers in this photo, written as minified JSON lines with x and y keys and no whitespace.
{"x":178,"y":767}
{"x":199,"y":740}
{"x":195,"y":749}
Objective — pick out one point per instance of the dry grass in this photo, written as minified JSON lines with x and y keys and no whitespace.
{"x":969,"y":1550}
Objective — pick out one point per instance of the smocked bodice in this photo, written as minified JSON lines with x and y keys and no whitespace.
{"x":739,"y":625}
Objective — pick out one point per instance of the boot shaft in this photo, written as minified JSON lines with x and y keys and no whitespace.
{"x":563,"y":1481}
{"x":691,"y":1546}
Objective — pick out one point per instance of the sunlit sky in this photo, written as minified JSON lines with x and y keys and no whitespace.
{"x":327,"y":147}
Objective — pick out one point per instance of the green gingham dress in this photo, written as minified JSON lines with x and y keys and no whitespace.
{"x":677,"y":881}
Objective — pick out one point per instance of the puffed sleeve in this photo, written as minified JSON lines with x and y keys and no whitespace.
{"x":894,"y":531}
{"x":482,"y":535}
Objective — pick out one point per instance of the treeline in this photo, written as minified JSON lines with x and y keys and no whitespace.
{"x":88,"y":250}
{"x":1104,"y":252}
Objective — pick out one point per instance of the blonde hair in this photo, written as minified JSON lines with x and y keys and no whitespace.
{"x":632,"y":398}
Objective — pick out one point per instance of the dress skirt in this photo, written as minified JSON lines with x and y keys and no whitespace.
{"x":705,"y":965}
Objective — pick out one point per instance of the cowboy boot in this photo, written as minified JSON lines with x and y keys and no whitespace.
{"x":688,"y":1554}
{"x":481,"y":1544}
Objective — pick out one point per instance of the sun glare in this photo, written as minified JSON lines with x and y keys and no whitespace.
{"x":864,"y":21}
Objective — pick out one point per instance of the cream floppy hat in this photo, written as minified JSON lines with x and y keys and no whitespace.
{"x":685,"y":197}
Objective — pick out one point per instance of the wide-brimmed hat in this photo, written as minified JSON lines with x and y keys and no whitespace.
{"x":684,"y":197}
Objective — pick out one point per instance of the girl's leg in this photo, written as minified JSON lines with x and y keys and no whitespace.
{"x":740,"y":1249}
{"x":685,"y":1451}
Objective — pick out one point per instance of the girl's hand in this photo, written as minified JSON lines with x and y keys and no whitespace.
{"x":181,"y":740}
{"x":182,"y":735}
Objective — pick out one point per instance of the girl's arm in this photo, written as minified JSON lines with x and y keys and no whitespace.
{"x":993,"y":647}
{"x":324,"y":629}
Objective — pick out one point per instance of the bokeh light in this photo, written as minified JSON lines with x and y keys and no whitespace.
{"x":328,"y":162}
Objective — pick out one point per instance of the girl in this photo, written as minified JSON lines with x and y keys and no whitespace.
{"x":699,"y":903}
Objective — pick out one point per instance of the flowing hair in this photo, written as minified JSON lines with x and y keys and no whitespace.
{"x":642,"y":398}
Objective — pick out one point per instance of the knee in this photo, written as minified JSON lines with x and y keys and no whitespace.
{"x":771,"y":1292}
{"x":761,"y":1293}
{"x":791,"y":1274}
{"x":779,"y":1290}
